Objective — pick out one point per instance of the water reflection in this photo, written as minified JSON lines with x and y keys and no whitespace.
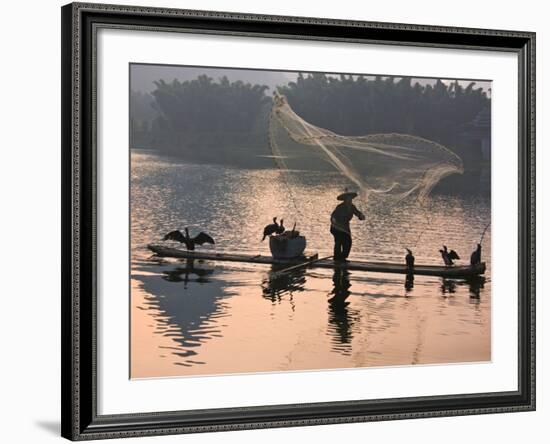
{"x":185,"y":274}
{"x":448,"y":287}
{"x":475,"y":286}
{"x":341,"y":318}
{"x":409,"y":283}
{"x":186,"y":305}
{"x":191,"y":318}
{"x":277,"y":284}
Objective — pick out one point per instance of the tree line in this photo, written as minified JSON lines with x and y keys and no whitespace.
{"x":222,"y":121}
{"x":202,"y":118}
{"x":357,"y":105}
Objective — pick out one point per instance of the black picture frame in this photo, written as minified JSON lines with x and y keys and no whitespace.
{"x":79,"y":318}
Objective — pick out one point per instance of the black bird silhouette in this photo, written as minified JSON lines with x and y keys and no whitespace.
{"x":475,"y":258}
{"x":448,"y":256}
{"x":271,"y":228}
{"x":409,"y":259}
{"x":281,"y":228}
{"x":190,"y":242}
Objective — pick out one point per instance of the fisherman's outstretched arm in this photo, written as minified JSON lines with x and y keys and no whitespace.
{"x":358,"y":213}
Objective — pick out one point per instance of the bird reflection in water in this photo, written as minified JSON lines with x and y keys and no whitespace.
{"x":409,"y":283}
{"x":276,"y":285}
{"x":476,"y":284}
{"x":341,"y":318}
{"x":189,"y":273}
{"x":448,"y":287}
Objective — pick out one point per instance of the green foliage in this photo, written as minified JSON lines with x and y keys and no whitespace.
{"x":219,"y":121}
{"x":356,"y":105}
{"x":142,"y":115}
{"x":206,"y":113}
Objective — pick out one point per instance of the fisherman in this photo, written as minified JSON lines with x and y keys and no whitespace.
{"x":339,"y":224}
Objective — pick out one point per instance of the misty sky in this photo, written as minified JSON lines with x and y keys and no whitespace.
{"x":143,"y":76}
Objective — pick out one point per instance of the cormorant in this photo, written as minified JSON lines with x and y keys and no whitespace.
{"x":448,"y":256}
{"x":190,"y":242}
{"x":281,"y":228}
{"x":475,"y":258}
{"x":271,"y":228}
{"x":409,"y":259}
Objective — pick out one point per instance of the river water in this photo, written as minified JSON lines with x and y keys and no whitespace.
{"x":204,"y":318}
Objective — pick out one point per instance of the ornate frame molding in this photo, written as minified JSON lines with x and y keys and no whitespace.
{"x":80,"y":22}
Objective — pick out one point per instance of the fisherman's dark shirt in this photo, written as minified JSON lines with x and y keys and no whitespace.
{"x":342,"y":215}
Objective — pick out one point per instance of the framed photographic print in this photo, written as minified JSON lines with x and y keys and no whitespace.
{"x":280,"y":221}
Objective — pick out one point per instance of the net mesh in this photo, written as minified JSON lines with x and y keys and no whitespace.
{"x":391,"y":166}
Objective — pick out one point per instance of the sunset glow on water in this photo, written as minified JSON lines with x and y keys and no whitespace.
{"x":211,"y":317}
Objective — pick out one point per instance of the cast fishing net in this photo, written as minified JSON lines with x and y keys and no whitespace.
{"x":391,"y":166}
{"x":386,"y":169}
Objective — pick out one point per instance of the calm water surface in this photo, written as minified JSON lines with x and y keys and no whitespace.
{"x":205,"y":317}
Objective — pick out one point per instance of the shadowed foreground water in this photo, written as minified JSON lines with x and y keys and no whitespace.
{"x":204,"y":317}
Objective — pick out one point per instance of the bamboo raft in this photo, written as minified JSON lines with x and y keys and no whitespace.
{"x":456,"y":271}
